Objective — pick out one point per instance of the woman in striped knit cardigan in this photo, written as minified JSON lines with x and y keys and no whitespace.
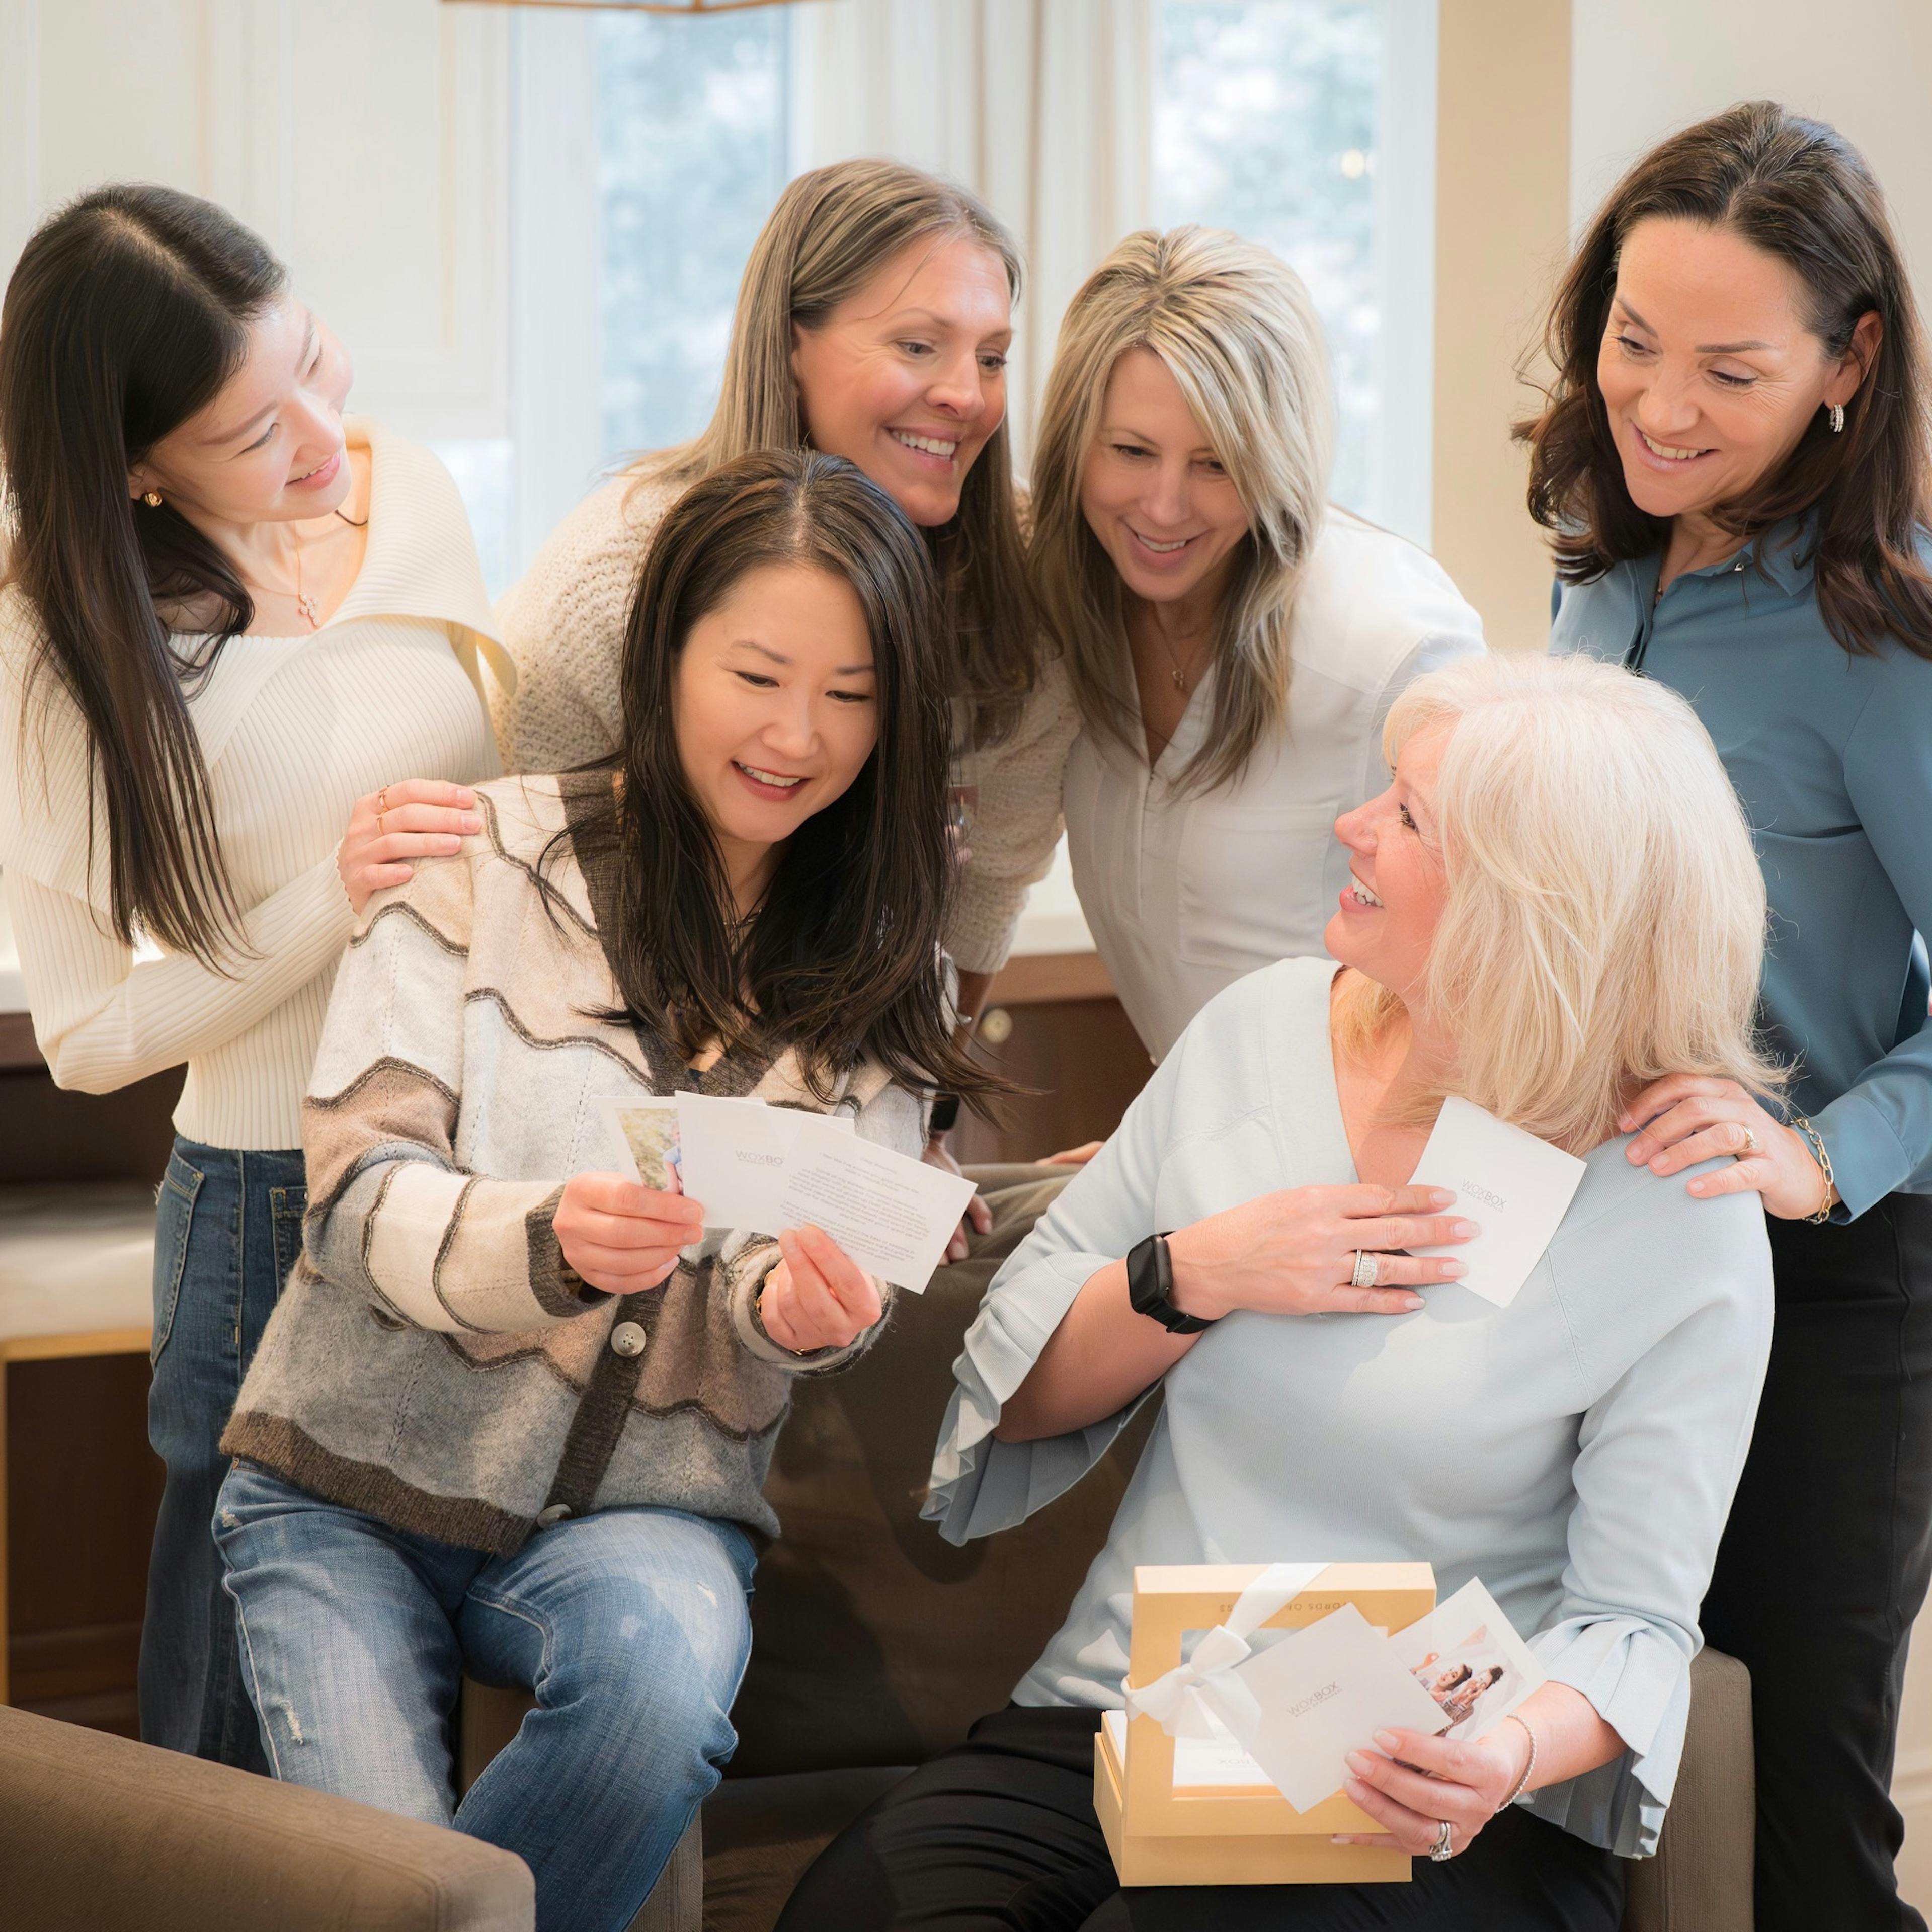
{"x":514,"y":1412}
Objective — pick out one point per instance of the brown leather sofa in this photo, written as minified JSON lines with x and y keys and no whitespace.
{"x":875,"y":1644}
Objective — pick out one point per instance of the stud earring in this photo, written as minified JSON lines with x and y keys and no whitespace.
{"x":152,"y":498}
{"x":1836,"y":413}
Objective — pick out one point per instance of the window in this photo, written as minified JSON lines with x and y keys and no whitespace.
{"x":649,"y":149}
{"x":1294,"y":122}
{"x":691,"y":152}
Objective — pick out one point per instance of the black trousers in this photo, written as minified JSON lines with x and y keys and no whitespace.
{"x":1825,"y":1560}
{"x":998,"y":1834}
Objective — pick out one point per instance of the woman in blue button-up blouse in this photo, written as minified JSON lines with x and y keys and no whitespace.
{"x":1733,"y":461}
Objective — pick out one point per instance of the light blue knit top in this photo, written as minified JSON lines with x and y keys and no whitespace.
{"x":1577,"y":1450}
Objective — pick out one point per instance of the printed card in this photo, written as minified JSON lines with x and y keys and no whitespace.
{"x":730,"y":1152}
{"x":1325,"y":1692}
{"x":1516,"y":1188}
{"x":765,"y":1168}
{"x":893,"y":1215}
{"x":1466,"y":1654}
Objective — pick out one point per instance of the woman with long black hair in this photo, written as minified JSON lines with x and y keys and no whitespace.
{"x":233,"y":622}
{"x":515,"y":1413}
{"x":1734,"y":464}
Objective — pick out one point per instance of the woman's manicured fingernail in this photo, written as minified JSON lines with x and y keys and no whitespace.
{"x":471,"y":823}
{"x":1341,"y":1838}
{"x":1358,"y":1762}
{"x":1441,"y":1197}
{"x":1624,"y":1123}
{"x":1465,"y":1231}
{"x":1657,"y":1166}
{"x":1411,"y":1304}
{"x":1450,"y":1270}
{"x":1387,"y":1741}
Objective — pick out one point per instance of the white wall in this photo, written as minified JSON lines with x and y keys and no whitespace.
{"x":290,"y":112}
{"x":1643,"y":68}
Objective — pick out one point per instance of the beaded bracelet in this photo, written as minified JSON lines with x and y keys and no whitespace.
{"x":1517,"y":1789}
{"x":1815,"y":1141}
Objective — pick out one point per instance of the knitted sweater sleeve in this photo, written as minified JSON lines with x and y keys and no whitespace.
{"x":1015,"y":823}
{"x":392,"y":1210}
{"x":563,"y":626}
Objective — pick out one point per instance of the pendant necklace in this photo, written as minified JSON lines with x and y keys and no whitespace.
{"x":303,"y":602}
{"x":1175,"y":670}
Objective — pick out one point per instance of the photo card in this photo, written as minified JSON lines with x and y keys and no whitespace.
{"x":647,"y":1136}
{"x":1466,"y":1654}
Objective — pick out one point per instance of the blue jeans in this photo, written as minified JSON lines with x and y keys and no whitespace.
{"x":631,"y":1625}
{"x":227,"y":1232}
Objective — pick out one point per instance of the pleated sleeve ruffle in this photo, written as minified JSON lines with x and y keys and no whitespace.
{"x":1638,"y":1677}
{"x":980,"y":1485}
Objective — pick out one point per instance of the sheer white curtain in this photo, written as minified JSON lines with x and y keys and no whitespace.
{"x":1044,"y":108}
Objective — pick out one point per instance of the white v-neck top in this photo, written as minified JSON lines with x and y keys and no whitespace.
{"x":1184,"y":892}
{"x":1577,"y":1450}
{"x":293,"y":730}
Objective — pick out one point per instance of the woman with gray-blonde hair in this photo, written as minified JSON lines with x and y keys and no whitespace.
{"x":1553,"y":903}
{"x":1234,"y":641}
{"x":873,"y":322}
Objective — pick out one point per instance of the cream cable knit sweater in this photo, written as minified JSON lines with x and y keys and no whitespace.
{"x":563,"y":626}
{"x":293,"y":731}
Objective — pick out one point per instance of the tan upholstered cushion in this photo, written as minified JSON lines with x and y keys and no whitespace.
{"x":98,"y":1834}
{"x":1701,"y":1878}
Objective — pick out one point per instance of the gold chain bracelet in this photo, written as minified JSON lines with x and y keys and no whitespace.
{"x":1516,"y":1791}
{"x":1815,"y":1141}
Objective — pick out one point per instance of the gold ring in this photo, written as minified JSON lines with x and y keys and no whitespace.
{"x":382,"y":801}
{"x":378,"y":825}
{"x":1751,"y":1141}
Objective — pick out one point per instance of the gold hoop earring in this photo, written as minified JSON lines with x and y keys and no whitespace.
{"x":152,"y":498}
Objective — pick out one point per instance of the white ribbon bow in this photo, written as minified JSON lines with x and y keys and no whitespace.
{"x":1180,"y":1701}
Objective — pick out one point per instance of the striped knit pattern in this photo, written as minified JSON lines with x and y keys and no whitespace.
{"x":434,"y":1361}
{"x":563,"y":626}
{"x":293,"y":730}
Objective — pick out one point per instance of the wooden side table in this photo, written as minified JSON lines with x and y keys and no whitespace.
{"x":77,"y":1278}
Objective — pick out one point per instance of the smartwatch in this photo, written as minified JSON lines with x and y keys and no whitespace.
{"x":1150,"y":1288}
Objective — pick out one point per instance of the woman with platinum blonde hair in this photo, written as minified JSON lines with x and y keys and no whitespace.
{"x":1554,"y":901}
{"x":1234,"y":641}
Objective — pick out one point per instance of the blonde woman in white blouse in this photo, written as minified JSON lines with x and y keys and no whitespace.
{"x":1234,"y":641}
{"x":233,"y":623}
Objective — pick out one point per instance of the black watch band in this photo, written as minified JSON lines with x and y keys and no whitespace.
{"x":1150,"y":1288}
{"x":945,"y":1113}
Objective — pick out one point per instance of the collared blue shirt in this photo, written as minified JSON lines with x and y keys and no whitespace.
{"x":1831,"y":755}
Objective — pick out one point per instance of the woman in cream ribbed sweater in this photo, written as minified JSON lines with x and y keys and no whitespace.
{"x":231,"y":620}
{"x":873,"y":323}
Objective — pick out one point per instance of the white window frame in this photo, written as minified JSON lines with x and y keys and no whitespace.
{"x":553,"y":323}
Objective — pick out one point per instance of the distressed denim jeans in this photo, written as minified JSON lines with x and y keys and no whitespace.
{"x":631,"y":1625}
{"x":227,"y":1230}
